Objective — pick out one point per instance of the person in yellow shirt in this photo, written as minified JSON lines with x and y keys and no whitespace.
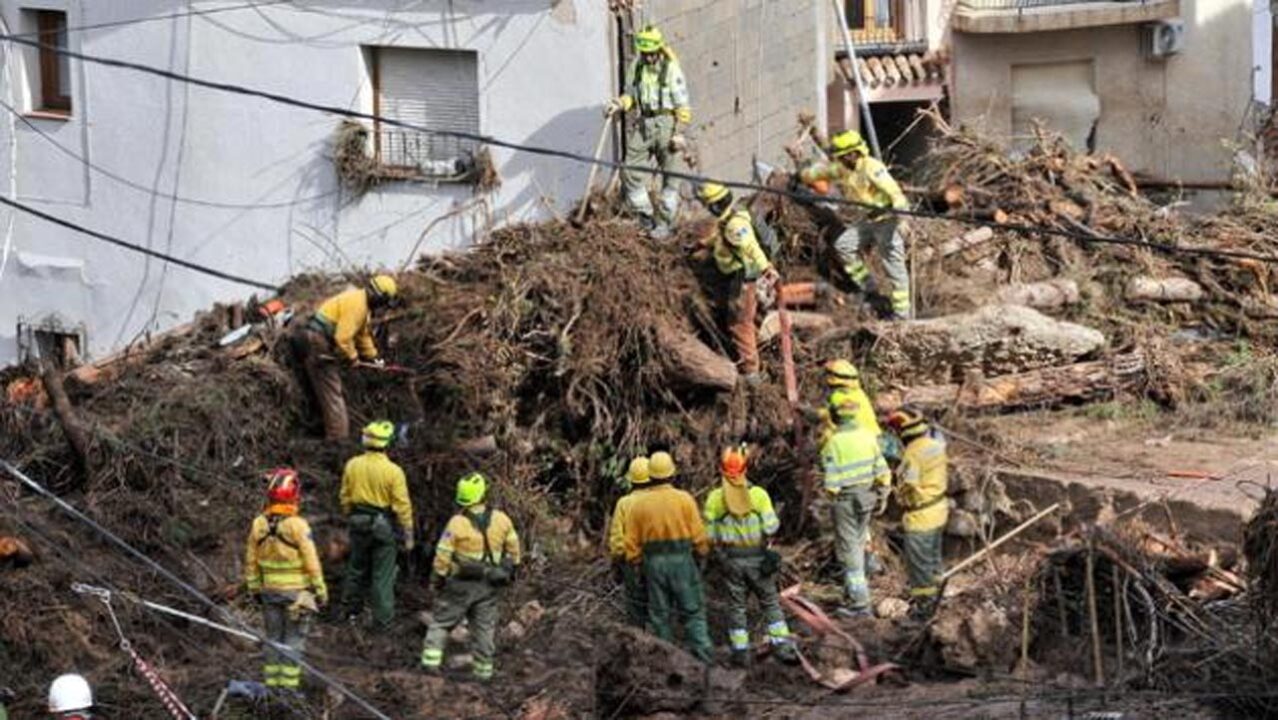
{"x":740,"y":519}
{"x":282,"y":570}
{"x":340,"y":331}
{"x":379,"y":517}
{"x":636,"y":593}
{"x":663,"y":532}
{"x":475,"y":559}
{"x":865,"y":180}
{"x":844,"y":380}
{"x":921,"y":487}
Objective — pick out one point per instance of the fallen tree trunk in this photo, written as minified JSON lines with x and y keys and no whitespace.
{"x":1080,"y":381}
{"x":966,"y":241}
{"x":76,"y":436}
{"x":1042,"y":295}
{"x":800,"y":321}
{"x":1174,"y":289}
{"x":690,"y":362}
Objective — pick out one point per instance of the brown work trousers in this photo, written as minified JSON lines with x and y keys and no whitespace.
{"x":316,"y":354}
{"x":740,"y":307}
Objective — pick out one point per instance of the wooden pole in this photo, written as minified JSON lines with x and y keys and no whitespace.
{"x":992,"y":546}
{"x":594,"y":168}
{"x":1090,"y":584}
{"x":1118,"y":623}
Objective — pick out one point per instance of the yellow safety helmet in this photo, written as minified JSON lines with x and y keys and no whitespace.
{"x":846,"y":142}
{"x":378,"y":434}
{"x":661,"y":466}
{"x":471,"y":489}
{"x":841,"y":373}
{"x":710,"y":192}
{"x":637,"y":473}
{"x":384,"y":285}
{"x":649,"y":40}
{"x":843,"y":406}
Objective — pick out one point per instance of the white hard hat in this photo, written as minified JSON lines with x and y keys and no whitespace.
{"x":70,"y":692}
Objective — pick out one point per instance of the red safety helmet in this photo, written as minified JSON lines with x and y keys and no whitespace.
{"x":283,"y":486}
{"x":733,"y":463}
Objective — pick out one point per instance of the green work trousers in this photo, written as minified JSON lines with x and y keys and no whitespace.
{"x":852,"y":510}
{"x":636,"y":591}
{"x":474,"y":601}
{"x":371,"y":567}
{"x":674,"y":583}
{"x":886,"y":239}
{"x":924,"y":563}
{"x":743,"y":577}
{"x":288,"y":629}
{"x":648,"y":145}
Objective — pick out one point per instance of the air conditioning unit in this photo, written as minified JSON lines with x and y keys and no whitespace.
{"x":1163,"y":38}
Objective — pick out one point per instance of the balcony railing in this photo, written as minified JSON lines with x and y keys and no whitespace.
{"x":423,"y":154}
{"x":1018,"y":16}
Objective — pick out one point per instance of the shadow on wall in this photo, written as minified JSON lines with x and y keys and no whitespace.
{"x":551,"y":182}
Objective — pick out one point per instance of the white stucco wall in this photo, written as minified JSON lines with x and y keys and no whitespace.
{"x":544,"y":71}
{"x":1167,"y":118}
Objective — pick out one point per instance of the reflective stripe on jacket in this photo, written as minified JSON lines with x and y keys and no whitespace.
{"x":728,"y":530}
{"x":374,"y":480}
{"x":736,"y":246}
{"x":658,"y":88}
{"x":285,"y":561}
{"x":348,"y":314}
{"x":664,"y":514}
{"x":923,"y":480}
{"x":851,"y":458}
{"x":870,"y":183}
{"x":462,"y":542}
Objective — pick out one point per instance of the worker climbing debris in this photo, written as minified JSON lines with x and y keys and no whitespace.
{"x":379,"y":518}
{"x":858,"y":480}
{"x":865,"y":180}
{"x":282,"y":571}
{"x":663,"y":532}
{"x":339,"y":331}
{"x":475,"y":559}
{"x":657,"y":92}
{"x":921,"y":487}
{"x":635,"y":481}
{"x":740,"y":520}
{"x":71,"y":698}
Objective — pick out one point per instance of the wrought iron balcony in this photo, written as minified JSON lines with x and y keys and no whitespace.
{"x":1017,"y":16}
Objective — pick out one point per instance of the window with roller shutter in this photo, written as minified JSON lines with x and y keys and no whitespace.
{"x":437,"y":90}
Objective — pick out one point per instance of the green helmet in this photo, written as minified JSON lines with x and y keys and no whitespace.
{"x":378,"y":434}
{"x":846,"y":142}
{"x":649,"y":40}
{"x":471,"y":489}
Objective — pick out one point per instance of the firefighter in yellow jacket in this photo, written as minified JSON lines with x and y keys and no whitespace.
{"x":282,"y":569}
{"x":922,"y":482}
{"x":844,"y":381}
{"x":475,"y":559}
{"x":340,"y":331}
{"x":866,"y":181}
{"x":636,"y":481}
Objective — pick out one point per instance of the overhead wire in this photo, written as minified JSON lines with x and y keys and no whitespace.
{"x":170,"y":16}
{"x":1020,"y":228}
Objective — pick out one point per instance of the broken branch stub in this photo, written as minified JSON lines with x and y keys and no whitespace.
{"x":690,"y":362}
{"x":1149,"y":289}
{"x":1045,"y":295}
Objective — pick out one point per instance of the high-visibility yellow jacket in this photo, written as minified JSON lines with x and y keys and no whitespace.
{"x":922,"y":482}
{"x":870,"y":183}
{"x":865,"y":417}
{"x":728,"y":530}
{"x":664,"y":514}
{"x":736,"y":246}
{"x":658,"y":89}
{"x":461,"y":541}
{"x":375,"y":480}
{"x":280,"y":555}
{"x":851,"y":458}
{"x":617,"y":526}
{"x":346,"y":317}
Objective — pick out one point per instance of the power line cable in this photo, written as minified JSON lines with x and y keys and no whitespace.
{"x":164,"y":572}
{"x":1024,"y":229}
{"x":171,"y":16}
{"x":213,"y":272}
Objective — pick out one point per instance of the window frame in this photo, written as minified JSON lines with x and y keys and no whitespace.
{"x":50,"y":25}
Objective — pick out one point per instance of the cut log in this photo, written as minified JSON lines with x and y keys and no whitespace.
{"x":1042,"y":295}
{"x":966,"y":241}
{"x":75,"y":434}
{"x":1046,"y":386}
{"x":954,"y":195}
{"x":1148,"y":289}
{"x":691,"y":362}
{"x":770,"y":328}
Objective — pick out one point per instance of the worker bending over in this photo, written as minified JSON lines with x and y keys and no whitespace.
{"x":922,"y":483}
{"x":636,"y":592}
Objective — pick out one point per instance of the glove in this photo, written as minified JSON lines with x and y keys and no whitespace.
{"x":678,"y":142}
{"x":882,"y":505}
{"x":683,"y":115}
{"x":377,"y":363}
{"x":618,"y":104}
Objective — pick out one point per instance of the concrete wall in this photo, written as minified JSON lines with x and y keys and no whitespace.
{"x":256,"y":193}
{"x":751,"y":65}
{"x":1163,"y":117}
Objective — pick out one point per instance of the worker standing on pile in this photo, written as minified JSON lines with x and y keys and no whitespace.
{"x":865,"y":180}
{"x":282,"y":570}
{"x":663,"y":532}
{"x":634,"y":482}
{"x":858,"y":480}
{"x":341,"y":331}
{"x":475,"y":559}
{"x":657,"y":91}
{"x":742,"y":265}
{"x":740,"y":520}
{"x":379,"y":518}
{"x":71,"y":698}
{"x":922,"y":484}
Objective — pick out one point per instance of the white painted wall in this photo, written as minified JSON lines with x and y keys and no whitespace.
{"x":544,"y":72}
{"x":1262,"y":37}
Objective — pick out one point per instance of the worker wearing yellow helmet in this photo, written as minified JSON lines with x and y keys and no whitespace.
{"x":922,"y":485}
{"x":865,"y":180}
{"x":379,"y":517}
{"x":655,"y":89}
{"x":635,"y":483}
{"x":340,"y":330}
{"x":475,"y":559}
{"x":843,"y":377}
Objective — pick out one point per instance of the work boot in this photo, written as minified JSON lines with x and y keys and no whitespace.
{"x":660,"y":232}
{"x":787,"y":653}
{"x":847,"y":611}
{"x":647,"y":223}
{"x":740,"y":659}
{"x":753,"y":379}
